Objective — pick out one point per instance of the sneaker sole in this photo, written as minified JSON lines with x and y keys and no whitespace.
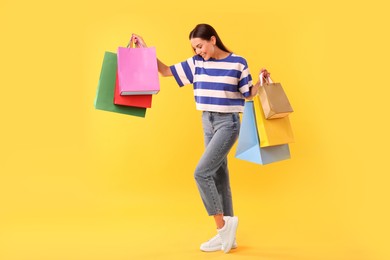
{"x":215,"y":249}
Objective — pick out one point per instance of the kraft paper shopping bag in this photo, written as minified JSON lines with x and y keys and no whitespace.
{"x":273,"y":99}
{"x":105,"y":92}
{"x":248,"y":147}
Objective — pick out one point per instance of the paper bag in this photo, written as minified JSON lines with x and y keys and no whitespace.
{"x":273,"y":99}
{"x":133,"y":100}
{"x":248,"y":147}
{"x":105,"y":92}
{"x":137,"y":71}
{"x":272,"y":132}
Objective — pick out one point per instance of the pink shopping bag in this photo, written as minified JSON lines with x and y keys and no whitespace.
{"x":137,"y":71}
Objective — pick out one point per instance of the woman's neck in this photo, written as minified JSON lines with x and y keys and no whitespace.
{"x":220,"y":54}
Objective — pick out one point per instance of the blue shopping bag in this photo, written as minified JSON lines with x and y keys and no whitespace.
{"x":248,"y":147}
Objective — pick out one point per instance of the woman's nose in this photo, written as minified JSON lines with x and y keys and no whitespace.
{"x":197,"y":51}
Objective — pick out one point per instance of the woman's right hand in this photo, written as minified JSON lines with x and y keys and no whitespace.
{"x":138,"y":41}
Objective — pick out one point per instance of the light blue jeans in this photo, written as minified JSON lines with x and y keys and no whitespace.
{"x":211,"y":174}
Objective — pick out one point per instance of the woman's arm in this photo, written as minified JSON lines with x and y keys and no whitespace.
{"x":164,"y":70}
{"x":255,"y":88}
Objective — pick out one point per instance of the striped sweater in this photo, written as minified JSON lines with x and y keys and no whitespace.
{"x":219,"y":85}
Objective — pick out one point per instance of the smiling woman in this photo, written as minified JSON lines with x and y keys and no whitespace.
{"x":222,"y":82}
{"x":203,"y":47}
{"x":79,"y":184}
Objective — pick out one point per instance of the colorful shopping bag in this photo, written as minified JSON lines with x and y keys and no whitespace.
{"x":105,"y":92}
{"x":137,"y":71}
{"x":133,"y":100}
{"x":272,"y":131}
{"x":248,"y":147}
{"x":273,"y":99}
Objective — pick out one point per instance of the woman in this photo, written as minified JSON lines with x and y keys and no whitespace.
{"x":221,"y":81}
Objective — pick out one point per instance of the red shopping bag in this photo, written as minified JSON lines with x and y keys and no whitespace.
{"x":133,"y":100}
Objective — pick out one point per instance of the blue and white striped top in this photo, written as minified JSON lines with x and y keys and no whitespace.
{"x":219,"y":85}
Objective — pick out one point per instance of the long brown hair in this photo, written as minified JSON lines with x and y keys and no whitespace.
{"x":205,"y":31}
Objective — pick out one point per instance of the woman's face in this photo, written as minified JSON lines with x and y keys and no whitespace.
{"x":204,"y":48}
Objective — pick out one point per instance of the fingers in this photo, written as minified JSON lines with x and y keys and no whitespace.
{"x":131,"y":42}
{"x":138,"y":41}
{"x":135,"y":40}
{"x":265,"y":72}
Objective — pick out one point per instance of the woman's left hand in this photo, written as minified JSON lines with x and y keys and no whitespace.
{"x":265,"y":72}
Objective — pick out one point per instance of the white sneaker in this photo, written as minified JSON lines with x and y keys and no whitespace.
{"x":228,"y":233}
{"x":215,"y":244}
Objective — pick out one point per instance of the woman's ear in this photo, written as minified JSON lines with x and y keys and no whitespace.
{"x":213,"y":40}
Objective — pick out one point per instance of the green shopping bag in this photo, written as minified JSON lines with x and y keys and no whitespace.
{"x":105,"y":92}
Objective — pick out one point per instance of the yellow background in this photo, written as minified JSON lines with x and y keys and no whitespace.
{"x":79,"y":183}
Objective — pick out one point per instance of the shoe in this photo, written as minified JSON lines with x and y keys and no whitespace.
{"x":215,"y":244}
{"x":228,"y":233}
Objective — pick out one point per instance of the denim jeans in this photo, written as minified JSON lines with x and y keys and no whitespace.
{"x":211,"y":174}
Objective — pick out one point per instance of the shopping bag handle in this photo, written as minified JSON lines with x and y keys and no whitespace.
{"x":131,"y":43}
{"x":267,"y":80}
